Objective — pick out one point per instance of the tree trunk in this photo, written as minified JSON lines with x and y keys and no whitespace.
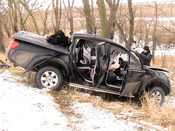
{"x":103,"y":19}
{"x":57,"y":14}
{"x":113,"y":9}
{"x":94,"y":28}
{"x":15,"y":17}
{"x":22,"y":24}
{"x":25,"y":5}
{"x":71,"y":16}
{"x":44,"y":19}
{"x":123,"y":35}
{"x":131,"y":24}
{"x":71,"y":26}
{"x":154,"y":36}
{"x":2,"y":46}
{"x":87,"y":13}
{"x":12,"y":6}
{"x":7,"y":30}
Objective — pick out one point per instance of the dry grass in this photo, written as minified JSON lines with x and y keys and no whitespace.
{"x":164,"y":61}
{"x":167,"y":62}
{"x":159,"y":115}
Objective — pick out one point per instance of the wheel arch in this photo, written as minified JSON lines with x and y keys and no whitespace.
{"x":155,"y":82}
{"x":56,"y":62}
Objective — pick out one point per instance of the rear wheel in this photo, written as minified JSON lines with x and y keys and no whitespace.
{"x":157,"y":95}
{"x":49,"y":77}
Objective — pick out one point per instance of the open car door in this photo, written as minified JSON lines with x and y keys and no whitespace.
{"x":133,"y":77}
{"x":102,"y":63}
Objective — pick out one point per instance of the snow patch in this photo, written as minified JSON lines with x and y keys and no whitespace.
{"x":23,"y":108}
{"x":97,"y":119}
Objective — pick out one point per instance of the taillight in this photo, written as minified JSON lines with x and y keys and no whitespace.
{"x":14,"y":44}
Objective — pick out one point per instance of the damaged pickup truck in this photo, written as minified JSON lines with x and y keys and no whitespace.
{"x":85,"y":64}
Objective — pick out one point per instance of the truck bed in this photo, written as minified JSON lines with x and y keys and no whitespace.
{"x":38,"y":40}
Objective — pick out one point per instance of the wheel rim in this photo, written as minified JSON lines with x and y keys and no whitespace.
{"x":49,"y":79}
{"x":156,"y":96}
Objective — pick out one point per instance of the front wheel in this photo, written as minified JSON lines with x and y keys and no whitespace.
{"x":49,"y":77}
{"x":157,"y":95}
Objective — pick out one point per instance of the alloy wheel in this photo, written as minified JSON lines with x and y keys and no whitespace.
{"x":49,"y":79}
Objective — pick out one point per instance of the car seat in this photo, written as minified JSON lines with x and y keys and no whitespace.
{"x":86,"y":68}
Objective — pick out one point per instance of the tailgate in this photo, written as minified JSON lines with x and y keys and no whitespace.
{"x":27,"y":52}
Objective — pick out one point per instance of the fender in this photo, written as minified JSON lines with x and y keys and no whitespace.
{"x":42,"y":59}
{"x":164,"y":86}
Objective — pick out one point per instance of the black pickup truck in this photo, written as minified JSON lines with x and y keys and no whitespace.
{"x":85,"y":64}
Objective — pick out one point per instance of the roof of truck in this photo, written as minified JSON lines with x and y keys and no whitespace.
{"x":97,"y":38}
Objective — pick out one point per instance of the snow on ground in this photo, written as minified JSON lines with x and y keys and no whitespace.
{"x":100,"y":120}
{"x":169,"y":52}
{"x":25,"y":108}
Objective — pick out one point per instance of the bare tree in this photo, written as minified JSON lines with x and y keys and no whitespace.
{"x":2,"y":46}
{"x":128,"y":39}
{"x":69,"y":14}
{"x":154,"y":35}
{"x":44,"y":19}
{"x":120,"y":22}
{"x":113,"y":10}
{"x":19,"y":9}
{"x":88,"y":13}
{"x":88,"y":16}
{"x":94,"y":28}
{"x":57,"y":13}
{"x":13,"y":8}
{"x":148,"y":24}
{"x":4,"y":18}
{"x":131,"y":24}
{"x":27,"y":8}
{"x":103,"y":19}
{"x":108,"y":25}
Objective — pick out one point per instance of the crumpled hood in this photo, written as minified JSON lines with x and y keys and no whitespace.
{"x":159,"y":73}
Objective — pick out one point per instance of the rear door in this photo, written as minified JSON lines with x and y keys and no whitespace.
{"x":134,"y":76}
{"x":102,"y":63}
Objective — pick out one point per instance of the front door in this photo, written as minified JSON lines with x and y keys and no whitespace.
{"x":102,"y":63}
{"x":133,"y":77}
{"x":75,"y":51}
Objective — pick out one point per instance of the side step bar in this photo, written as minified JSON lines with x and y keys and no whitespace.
{"x":94,"y":89}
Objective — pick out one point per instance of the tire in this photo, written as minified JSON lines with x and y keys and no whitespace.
{"x":49,"y":77}
{"x":157,"y":93}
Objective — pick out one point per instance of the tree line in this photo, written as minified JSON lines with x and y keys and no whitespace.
{"x":127,"y":20}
